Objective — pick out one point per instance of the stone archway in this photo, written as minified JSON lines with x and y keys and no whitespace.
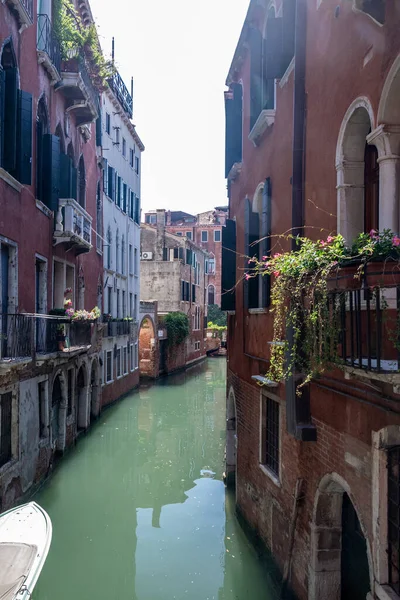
{"x":337,"y":539}
{"x":94,"y":391}
{"x":147,"y":348}
{"x":231,"y":440}
{"x":82,"y":395}
{"x":58,"y":412}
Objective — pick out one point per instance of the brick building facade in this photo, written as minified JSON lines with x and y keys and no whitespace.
{"x":205,"y":230}
{"x":313,"y":86}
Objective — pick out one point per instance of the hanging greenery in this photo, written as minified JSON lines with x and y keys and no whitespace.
{"x":300,"y":303}
{"x":177,"y":324}
{"x":74,"y":38}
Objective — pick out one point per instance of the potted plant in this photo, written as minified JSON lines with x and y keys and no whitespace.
{"x":61,"y":337}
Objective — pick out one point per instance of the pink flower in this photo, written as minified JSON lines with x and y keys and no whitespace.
{"x":265,"y":257}
{"x":69,"y":312}
{"x":329,"y":239}
{"x":396,"y":241}
{"x":251,"y":260}
{"x":373,"y":233}
{"x":68,"y":291}
{"x":323,"y":243}
{"x":276,"y":255}
{"x":67,"y":302}
{"x":247,"y":276}
{"x":277,"y":273}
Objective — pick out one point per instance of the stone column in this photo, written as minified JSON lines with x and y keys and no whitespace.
{"x":386,"y":138}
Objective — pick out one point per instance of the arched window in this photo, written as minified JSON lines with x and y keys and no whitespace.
{"x":211,"y":294}
{"x":123,"y":255}
{"x":109,"y":242}
{"x":117,"y":251}
{"x":81,"y":183}
{"x":42,"y":128}
{"x":99,"y":227}
{"x":8,"y":127}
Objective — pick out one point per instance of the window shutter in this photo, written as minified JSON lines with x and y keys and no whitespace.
{"x":193,"y":293}
{"x":2,"y":89}
{"x":180,"y":253}
{"x":265,"y":241}
{"x":251,"y":285}
{"x":98,"y":130}
{"x":183,"y":291}
{"x":176,"y":253}
{"x":273,"y":49}
{"x":233,"y":126}
{"x":65,"y":176}
{"x":256,"y":75}
{"x":24,"y":138}
{"x":228,"y":271}
{"x":51,"y":167}
{"x":228,"y":131}
{"x":165,"y":254}
{"x":288,"y":33}
{"x":188,"y":291}
{"x":74,"y":181}
{"x":10,"y":121}
{"x":105,"y":176}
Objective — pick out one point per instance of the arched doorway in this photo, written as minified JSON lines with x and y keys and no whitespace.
{"x":340,"y":557}
{"x":147,"y":349}
{"x":231,"y":440}
{"x":82,"y":396}
{"x":94,"y":391}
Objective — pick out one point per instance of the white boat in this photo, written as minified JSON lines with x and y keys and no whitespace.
{"x":25,"y":537}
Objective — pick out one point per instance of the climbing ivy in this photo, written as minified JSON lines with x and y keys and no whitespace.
{"x":177,"y":324}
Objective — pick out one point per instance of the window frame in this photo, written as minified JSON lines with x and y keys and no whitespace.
{"x":204,"y":231}
{"x":272,"y":401}
{"x":108,"y":353}
{"x":118,"y":360}
{"x":123,"y":147}
{"x":108,"y":123}
{"x":219,"y":233}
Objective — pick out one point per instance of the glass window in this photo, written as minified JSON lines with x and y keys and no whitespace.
{"x":204,"y":236}
{"x":188,"y":235}
{"x":123,"y":147}
{"x":137,"y":164}
{"x":217,"y":235}
{"x":270,"y":435}
{"x":119,"y":366}
{"x":108,"y":366}
{"x":108,"y":123}
{"x":131,"y":157}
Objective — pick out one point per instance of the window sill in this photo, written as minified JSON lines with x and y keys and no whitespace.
{"x":384,"y":592}
{"x":271,"y":475}
{"x":285,"y":77}
{"x":266,"y":119}
{"x":258,"y":311}
{"x":5,"y":176}
{"x":108,"y":382}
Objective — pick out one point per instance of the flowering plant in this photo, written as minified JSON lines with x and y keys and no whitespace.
{"x":300,"y":302}
{"x":84,"y":315}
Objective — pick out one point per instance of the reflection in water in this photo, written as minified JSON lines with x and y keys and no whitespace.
{"x":139,"y":509}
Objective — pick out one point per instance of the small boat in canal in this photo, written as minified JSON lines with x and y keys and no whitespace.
{"x":25,"y":537}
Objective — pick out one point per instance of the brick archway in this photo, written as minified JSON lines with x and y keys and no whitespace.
{"x":148,"y":356}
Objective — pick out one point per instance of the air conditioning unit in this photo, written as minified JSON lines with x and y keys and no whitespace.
{"x":146,"y":256}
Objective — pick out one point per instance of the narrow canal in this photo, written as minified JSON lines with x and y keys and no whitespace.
{"x":139,"y":509}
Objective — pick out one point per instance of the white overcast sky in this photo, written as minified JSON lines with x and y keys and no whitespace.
{"x":179,"y":53}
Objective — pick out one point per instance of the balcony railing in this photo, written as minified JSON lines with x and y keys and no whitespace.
{"x":122,"y":327}
{"x":25,"y":336}
{"x":121,"y":92}
{"x":367,"y":316}
{"x":48,"y":47}
{"x":77,"y":86}
{"x":73,"y":225}
{"x":24,"y":8}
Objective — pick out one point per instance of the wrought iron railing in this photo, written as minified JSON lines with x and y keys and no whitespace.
{"x":48,"y":42}
{"x":367,"y":322}
{"x":26,"y":335}
{"x":121,"y":91}
{"x":74,"y":220}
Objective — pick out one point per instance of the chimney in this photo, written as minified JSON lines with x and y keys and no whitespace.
{"x":168,"y":218}
{"x":160,"y":237}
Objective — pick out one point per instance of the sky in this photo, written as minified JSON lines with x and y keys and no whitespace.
{"x":179,"y":53}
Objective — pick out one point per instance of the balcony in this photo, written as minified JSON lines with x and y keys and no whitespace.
{"x":31,"y":336}
{"x":367,"y":311}
{"x":77,"y":87}
{"x":120,"y":327}
{"x":121,"y":92}
{"x":73,"y":226}
{"x":48,"y":48}
{"x":24,"y":10}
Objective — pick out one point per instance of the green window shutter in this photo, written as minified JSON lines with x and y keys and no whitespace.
{"x":256,"y":75}
{"x":183,"y":291}
{"x":2,"y":89}
{"x":10,"y":121}
{"x":74,"y":182}
{"x":98,"y":130}
{"x":124,"y":196}
{"x":228,"y":270}
{"x":273,"y":57}
{"x":165,"y":253}
{"x":65,"y":176}
{"x":251,"y":249}
{"x":234,"y":126}
{"x":105,"y":176}
{"x":24,"y":138}
{"x":265,"y":241}
{"x":176,"y":253}
{"x":180,"y":253}
{"x":51,"y":170}
{"x":137,"y":209}
{"x":193,"y":293}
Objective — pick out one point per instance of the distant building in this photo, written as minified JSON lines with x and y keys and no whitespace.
{"x":122,"y":150}
{"x":205,"y":230}
{"x":173,"y":271}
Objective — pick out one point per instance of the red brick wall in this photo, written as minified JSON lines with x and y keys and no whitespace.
{"x":113,"y":391}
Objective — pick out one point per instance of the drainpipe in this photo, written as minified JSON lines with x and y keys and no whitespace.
{"x":299,"y":108}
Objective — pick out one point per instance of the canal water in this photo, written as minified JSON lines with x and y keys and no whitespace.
{"x":139,"y":509}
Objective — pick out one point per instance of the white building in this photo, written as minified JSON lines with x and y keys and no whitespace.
{"x":122,"y":150}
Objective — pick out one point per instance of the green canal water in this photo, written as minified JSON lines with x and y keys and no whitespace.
{"x":139,"y":509}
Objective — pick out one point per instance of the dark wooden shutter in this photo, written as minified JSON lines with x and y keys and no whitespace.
{"x":228,"y":131}
{"x":180,"y":253}
{"x":234,"y":126}
{"x":228,"y":270}
{"x":98,"y":130}
{"x":265,"y":241}
{"x":288,"y":31}
{"x":105,"y":176}
{"x":273,"y":49}
{"x":176,"y":253}
{"x":256,"y":75}
{"x":5,"y":428}
{"x":51,"y":169}
{"x":110,"y":182}
{"x":74,"y":182}
{"x":252,"y":235}
{"x":24,"y":138}
{"x":193,"y":292}
{"x":10,"y":121}
{"x":2,"y":89}
{"x":165,"y":253}
{"x":65,"y":176}
{"x":183,"y":290}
